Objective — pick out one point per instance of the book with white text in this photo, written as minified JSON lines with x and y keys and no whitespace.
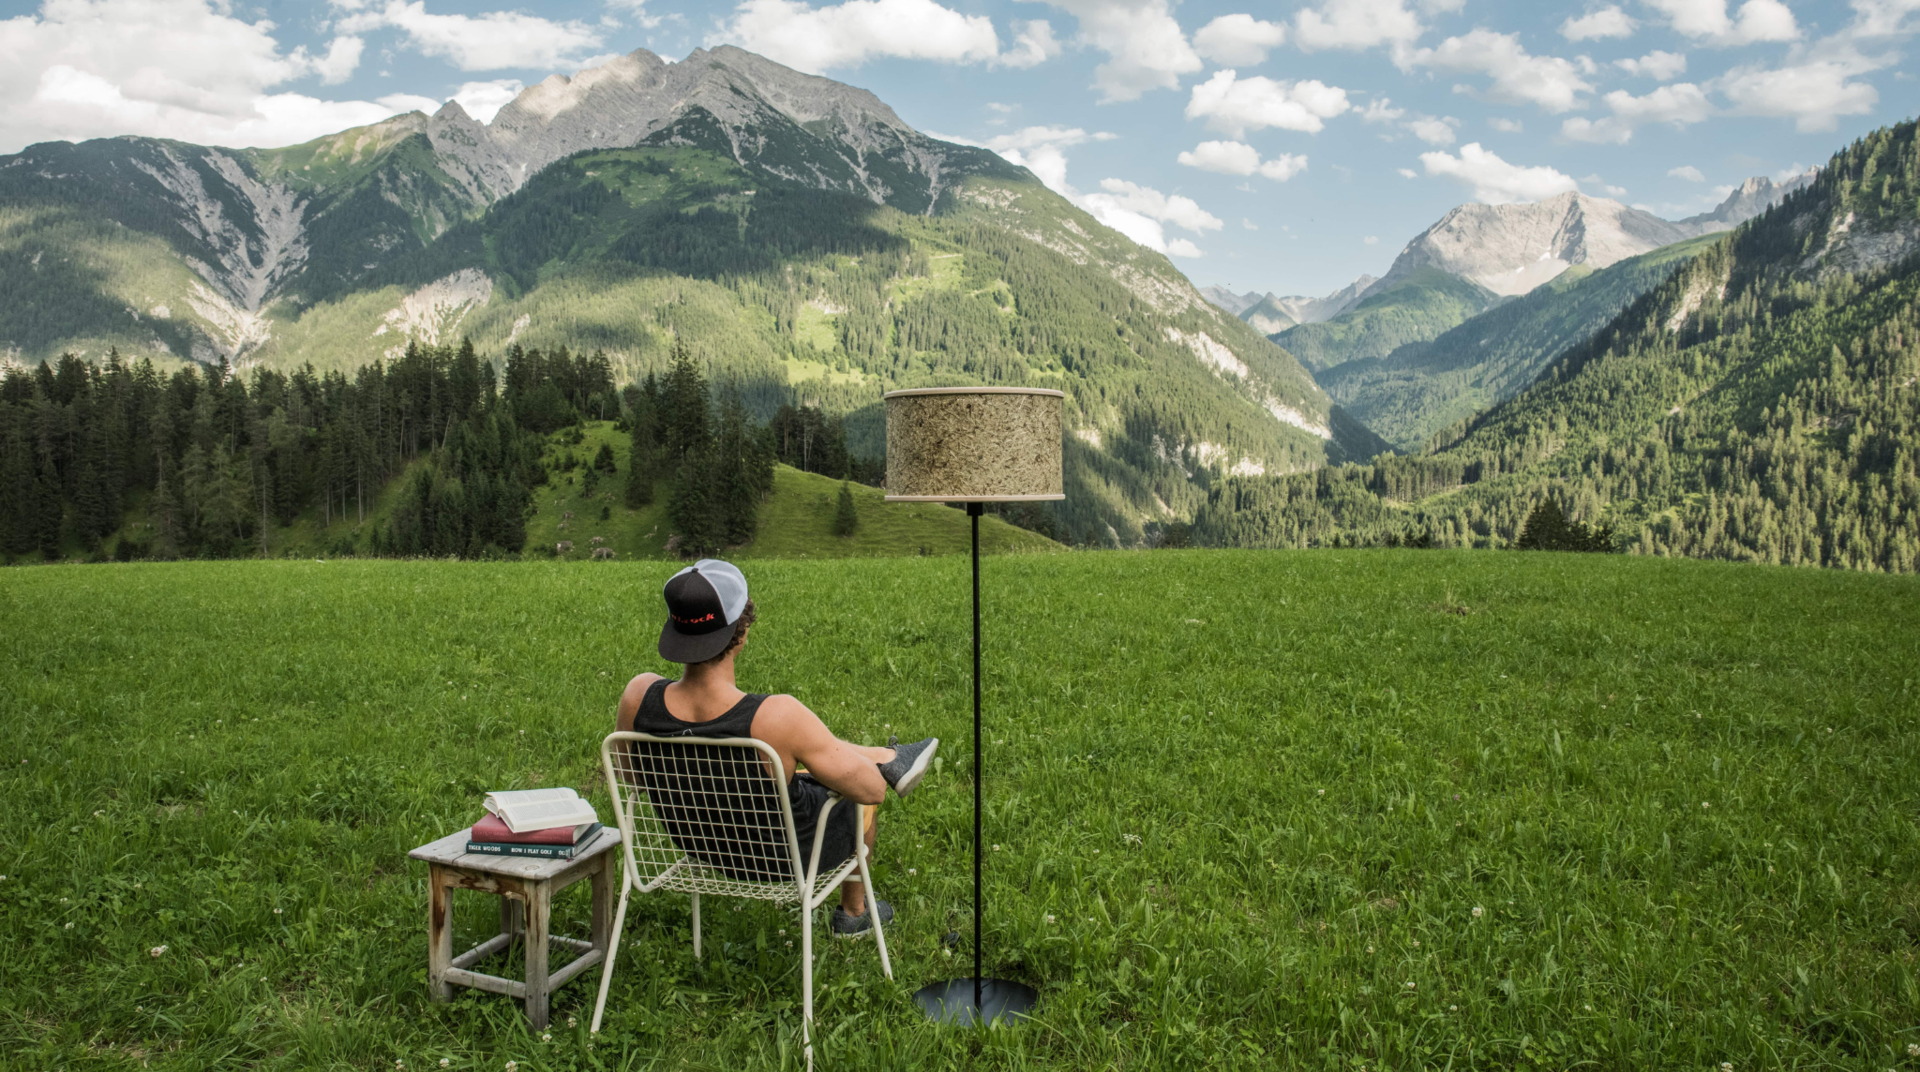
{"x":540,"y":809}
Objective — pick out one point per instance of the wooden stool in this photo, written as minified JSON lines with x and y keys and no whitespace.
{"x":525,"y":886}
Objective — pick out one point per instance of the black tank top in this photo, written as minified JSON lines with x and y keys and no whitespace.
{"x":653,"y":716}
{"x":716,"y":803}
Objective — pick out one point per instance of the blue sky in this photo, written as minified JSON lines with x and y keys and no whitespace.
{"x":1285,"y":147}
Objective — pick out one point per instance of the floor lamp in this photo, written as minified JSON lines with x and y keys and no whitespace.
{"x":974,"y":445}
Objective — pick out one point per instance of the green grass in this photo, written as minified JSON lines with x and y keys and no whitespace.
{"x":1241,"y":799}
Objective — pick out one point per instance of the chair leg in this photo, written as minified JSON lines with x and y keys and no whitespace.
{"x":613,"y":946}
{"x":873,"y":913}
{"x":696,"y":926}
{"x":806,"y":980}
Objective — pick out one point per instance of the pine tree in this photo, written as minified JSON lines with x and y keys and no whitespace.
{"x":845,"y":517}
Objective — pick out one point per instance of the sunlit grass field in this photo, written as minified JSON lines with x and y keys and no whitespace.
{"x":1328,"y":809}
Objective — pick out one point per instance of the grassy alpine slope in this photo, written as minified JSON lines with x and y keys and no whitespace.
{"x":1415,"y":309}
{"x":1252,"y":810}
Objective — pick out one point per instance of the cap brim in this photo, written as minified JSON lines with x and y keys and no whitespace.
{"x":678,"y":647}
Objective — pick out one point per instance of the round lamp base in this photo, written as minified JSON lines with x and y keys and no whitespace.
{"x":1001,"y":1000}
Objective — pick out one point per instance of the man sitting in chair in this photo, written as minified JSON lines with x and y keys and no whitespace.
{"x":708,"y":617}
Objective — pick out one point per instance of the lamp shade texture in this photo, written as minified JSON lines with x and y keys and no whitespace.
{"x":974,"y":444}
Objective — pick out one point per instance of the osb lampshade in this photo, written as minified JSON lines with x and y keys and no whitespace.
{"x":974,"y":444}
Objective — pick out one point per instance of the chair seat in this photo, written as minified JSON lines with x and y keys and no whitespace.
{"x":688,"y":876}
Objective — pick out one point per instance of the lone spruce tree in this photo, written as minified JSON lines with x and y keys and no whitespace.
{"x":643,"y":452}
{"x":845,"y":517}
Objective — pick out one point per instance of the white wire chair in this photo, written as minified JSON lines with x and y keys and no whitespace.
{"x":710,"y":815}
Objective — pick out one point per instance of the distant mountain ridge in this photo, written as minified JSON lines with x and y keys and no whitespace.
{"x":806,"y":243}
{"x":1270,"y":313}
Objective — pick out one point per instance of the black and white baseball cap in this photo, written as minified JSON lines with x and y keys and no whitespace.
{"x":704,"y":604}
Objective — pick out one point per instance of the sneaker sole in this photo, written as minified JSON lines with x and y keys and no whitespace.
{"x":911,"y":780}
{"x":868,"y":933}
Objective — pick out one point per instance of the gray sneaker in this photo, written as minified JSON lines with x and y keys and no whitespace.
{"x":845,"y":926}
{"x":909,"y":763}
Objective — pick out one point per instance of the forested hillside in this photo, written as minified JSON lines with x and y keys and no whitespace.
{"x":1421,"y":388}
{"x":1762,"y":404}
{"x":1412,"y":309}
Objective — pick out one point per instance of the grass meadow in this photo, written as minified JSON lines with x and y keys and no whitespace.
{"x":1326,"y":809}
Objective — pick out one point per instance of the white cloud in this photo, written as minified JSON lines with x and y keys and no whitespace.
{"x":1381,"y":110}
{"x":1239,"y":158}
{"x":343,"y":56}
{"x":1144,"y":46}
{"x":1812,"y":94}
{"x":1687,"y":172}
{"x":1355,"y":24}
{"x":1494,"y":181}
{"x":1548,"y":81}
{"x":1142,"y":213}
{"x":1238,"y":40}
{"x":1041,"y":150}
{"x":817,"y":39}
{"x":488,"y":42}
{"x":1033,"y":44}
{"x":1434,"y":130}
{"x":1234,"y":105}
{"x":1708,"y":20}
{"x":1657,"y":65}
{"x":1371,"y":240}
{"x":1249,"y":224}
{"x":1881,"y":18}
{"x":637,"y":10}
{"x":1609,"y":21}
{"x":1681,"y":104}
{"x":1407,"y":173}
{"x":482,"y":100}
{"x":1505,"y":125}
{"x":185,"y":69}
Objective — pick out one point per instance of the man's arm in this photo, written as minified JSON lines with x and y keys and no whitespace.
{"x":844,"y":768}
{"x":630,"y":700}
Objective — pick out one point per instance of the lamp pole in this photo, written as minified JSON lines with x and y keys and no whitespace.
{"x":974,"y":510}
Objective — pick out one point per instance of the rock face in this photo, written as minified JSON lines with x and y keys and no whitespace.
{"x":1228,"y":300}
{"x":1749,"y":199}
{"x":1511,"y":249}
{"x":852,"y":140}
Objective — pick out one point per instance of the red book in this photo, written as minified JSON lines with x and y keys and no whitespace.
{"x":491,"y":829}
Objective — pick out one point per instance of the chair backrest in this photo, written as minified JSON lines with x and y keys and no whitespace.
{"x":701,"y":806}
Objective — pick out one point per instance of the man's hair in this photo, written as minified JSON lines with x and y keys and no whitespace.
{"x":739,"y":636}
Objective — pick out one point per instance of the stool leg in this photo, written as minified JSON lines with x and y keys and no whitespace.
{"x":539,"y":914}
{"x":439,"y":934}
{"x":510,"y":917}
{"x":613,"y":946}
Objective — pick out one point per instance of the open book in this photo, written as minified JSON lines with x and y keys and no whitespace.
{"x":540,"y":809}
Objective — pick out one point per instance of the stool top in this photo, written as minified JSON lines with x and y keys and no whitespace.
{"x":451,"y":851}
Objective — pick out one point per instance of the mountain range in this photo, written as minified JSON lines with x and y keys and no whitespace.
{"x":1380,"y":355}
{"x":1759,"y":399}
{"x":803,"y":241}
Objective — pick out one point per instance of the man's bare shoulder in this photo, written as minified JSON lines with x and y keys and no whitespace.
{"x":635,"y":692}
{"x":783,"y":713}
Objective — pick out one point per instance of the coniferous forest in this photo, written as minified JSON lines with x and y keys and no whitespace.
{"x":221,"y":461}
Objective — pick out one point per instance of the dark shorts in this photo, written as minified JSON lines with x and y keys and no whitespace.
{"x":843,"y":822}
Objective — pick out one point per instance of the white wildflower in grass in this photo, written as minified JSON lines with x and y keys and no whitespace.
{"x":1131,"y":839}
{"x":996,"y":848}
{"x":69,"y":926}
{"x":444,"y":1062}
{"x":1478,"y":911}
{"x":1704,"y":804}
{"x":1050,"y":918}
{"x":139,"y":1008}
{"x":1913,"y":1049}
{"x":789,"y":943}
{"x":276,"y":911}
{"x":1726,"y":1066}
{"x":156,"y":951}
{"x":1096,"y":852}
{"x":913,"y":870}
{"x":1369,"y":949}
{"x":571,"y":1022}
{"x":398,"y":1063}
{"x":98,"y":814}
{"x":546,"y":1036}
{"x":1320,"y":792}
{"x":1409,"y":986}
{"x":1416,"y":943}
{"x":512,"y":1066}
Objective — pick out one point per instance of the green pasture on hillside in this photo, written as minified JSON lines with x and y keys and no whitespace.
{"x":1324,"y":809}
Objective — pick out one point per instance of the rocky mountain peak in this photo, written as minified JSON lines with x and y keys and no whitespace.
{"x":1748,"y":200}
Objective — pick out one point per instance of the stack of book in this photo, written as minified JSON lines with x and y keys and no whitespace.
{"x":553,"y":824}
